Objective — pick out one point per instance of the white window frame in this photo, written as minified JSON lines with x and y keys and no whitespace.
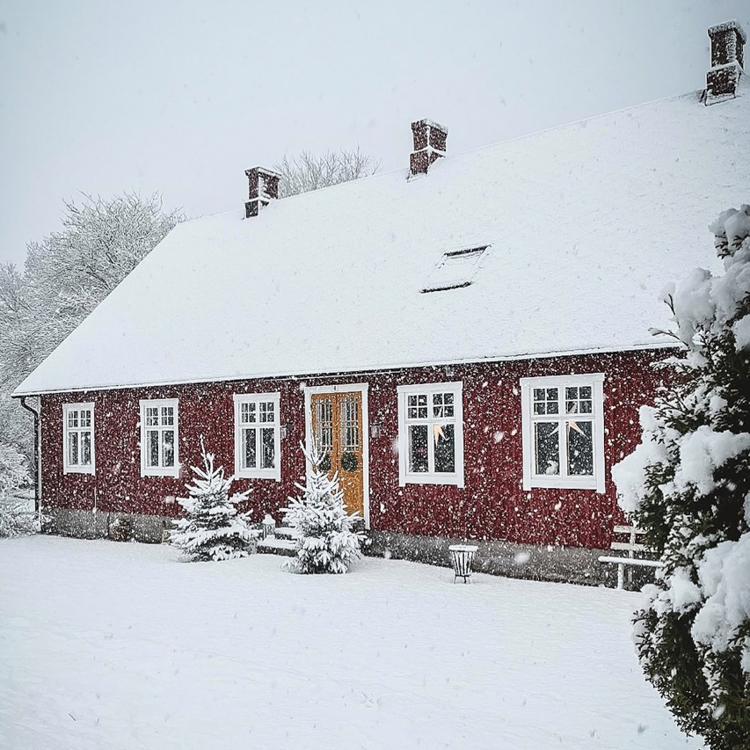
{"x":562,"y":480}
{"x":69,"y":468}
{"x":430,"y":477}
{"x":160,"y":471}
{"x":256,"y":398}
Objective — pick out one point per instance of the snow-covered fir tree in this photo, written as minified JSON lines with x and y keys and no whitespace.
{"x":688,"y":485}
{"x":324,"y":533}
{"x":212,"y":529}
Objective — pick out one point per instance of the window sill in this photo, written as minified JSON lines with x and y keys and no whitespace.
{"x":449,"y":479}
{"x":562,"y":483}
{"x":258,"y":474}
{"x":79,"y":470}
{"x":171,"y":472}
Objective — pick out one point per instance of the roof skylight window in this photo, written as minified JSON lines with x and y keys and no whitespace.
{"x":455,"y":270}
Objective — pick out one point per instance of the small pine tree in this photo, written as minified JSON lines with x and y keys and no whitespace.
{"x":213,"y":529}
{"x":326,"y":542}
{"x":688,"y":484}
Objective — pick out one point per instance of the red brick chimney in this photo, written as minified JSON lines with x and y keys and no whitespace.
{"x":263,"y":188}
{"x":429,"y":145}
{"x":727,"y":48}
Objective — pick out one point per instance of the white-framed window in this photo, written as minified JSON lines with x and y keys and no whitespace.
{"x":159,"y":437}
{"x":257,"y":436}
{"x":431,"y":434}
{"x":78,"y":438}
{"x":563,"y":432}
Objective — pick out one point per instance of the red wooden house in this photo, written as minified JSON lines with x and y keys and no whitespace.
{"x":467,"y":340}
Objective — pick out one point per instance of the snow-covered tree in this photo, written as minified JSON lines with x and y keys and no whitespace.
{"x":325,"y":539}
{"x":688,"y":485}
{"x":66,"y":276}
{"x":14,"y":518}
{"x":212,"y":529}
{"x":306,"y":172}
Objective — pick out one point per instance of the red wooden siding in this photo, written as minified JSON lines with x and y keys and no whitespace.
{"x":492,"y":505}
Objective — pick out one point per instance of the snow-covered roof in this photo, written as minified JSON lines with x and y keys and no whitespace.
{"x":586,"y":224}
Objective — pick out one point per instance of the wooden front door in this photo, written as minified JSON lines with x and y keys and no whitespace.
{"x":337,"y":431}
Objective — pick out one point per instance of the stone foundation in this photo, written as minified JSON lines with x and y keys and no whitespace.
{"x":561,"y":564}
{"x":86,"y":524}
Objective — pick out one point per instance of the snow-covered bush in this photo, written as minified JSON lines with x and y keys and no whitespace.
{"x":688,"y":485}
{"x":121,"y":529}
{"x":213,"y":529}
{"x":15,"y":519}
{"x":326,"y":541}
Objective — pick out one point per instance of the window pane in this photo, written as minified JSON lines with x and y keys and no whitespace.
{"x":268,"y":452}
{"x":584,"y":392}
{"x":418,"y":435}
{"x":547,"y":448}
{"x":167,"y":415}
{"x":445,"y":447}
{"x":85,"y":449}
{"x":580,"y":448}
{"x":152,"y":448}
{"x":442,"y":405}
{"x":265,"y":411}
{"x":167,"y":448}
{"x":417,"y":406}
{"x":248,"y":412}
{"x":585,"y":407}
{"x":350,"y":423}
{"x":73,"y":448}
{"x":85,"y":417}
{"x":324,"y":425}
{"x":73,"y":419}
{"x":249,"y":450}
{"x":545,"y":401}
{"x":437,"y":404}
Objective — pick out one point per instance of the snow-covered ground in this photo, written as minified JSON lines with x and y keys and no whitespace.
{"x":106,"y":645}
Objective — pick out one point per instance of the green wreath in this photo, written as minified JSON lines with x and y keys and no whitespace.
{"x":349,"y":462}
{"x":325,"y":463}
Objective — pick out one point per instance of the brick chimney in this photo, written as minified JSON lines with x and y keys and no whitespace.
{"x":429,"y":145}
{"x":727,"y":47}
{"x":263,"y":188}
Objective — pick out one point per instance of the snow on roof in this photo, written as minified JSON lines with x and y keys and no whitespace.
{"x":586,"y":224}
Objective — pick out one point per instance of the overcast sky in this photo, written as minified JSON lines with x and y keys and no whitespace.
{"x":180,"y":97}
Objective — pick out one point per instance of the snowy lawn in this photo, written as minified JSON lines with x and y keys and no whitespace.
{"x":106,"y":645}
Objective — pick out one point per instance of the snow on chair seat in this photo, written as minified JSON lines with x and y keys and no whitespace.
{"x":631,"y":547}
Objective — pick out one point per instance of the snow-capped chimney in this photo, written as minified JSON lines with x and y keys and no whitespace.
{"x":263,"y":188}
{"x":429,"y":145}
{"x":727,"y":48}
